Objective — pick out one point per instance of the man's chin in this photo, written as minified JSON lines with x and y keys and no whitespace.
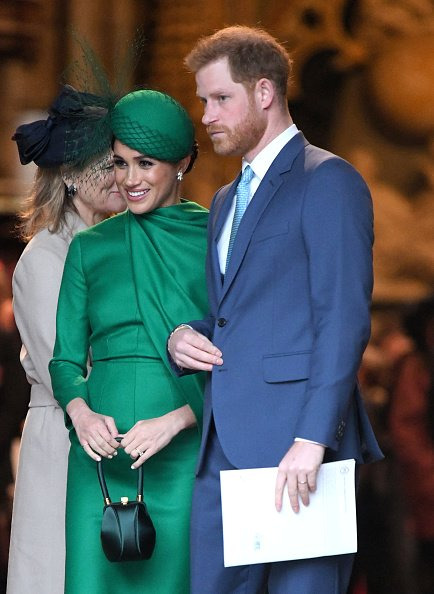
{"x":220,"y":148}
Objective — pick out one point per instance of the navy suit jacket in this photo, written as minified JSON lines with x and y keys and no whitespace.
{"x":292,"y":316}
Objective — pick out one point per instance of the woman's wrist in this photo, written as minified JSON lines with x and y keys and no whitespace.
{"x":182,"y":418}
{"x":75,"y":408}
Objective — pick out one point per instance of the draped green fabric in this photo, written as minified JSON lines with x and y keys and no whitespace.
{"x":127,"y":282}
{"x":165,"y":246}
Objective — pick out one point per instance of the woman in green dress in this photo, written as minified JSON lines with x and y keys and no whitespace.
{"x":126,"y":283}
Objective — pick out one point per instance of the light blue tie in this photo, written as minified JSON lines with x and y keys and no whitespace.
{"x":243,"y":192}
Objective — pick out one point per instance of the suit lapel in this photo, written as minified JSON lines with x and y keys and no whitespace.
{"x":225,"y":199}
{"x":267,"y":189}
{"x":221,"y":210}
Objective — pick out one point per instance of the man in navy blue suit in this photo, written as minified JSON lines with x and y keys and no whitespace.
{"x":289,"y":274}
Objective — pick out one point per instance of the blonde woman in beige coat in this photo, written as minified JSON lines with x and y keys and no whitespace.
{"x":64,"y":200}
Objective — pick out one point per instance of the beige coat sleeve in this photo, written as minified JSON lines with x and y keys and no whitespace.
{"x":36,"y":284}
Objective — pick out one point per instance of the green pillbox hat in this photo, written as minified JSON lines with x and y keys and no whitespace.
{"x":154,"y":124}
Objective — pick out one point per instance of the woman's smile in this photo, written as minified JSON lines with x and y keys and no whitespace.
{"x":137,"y":195}
{"x":132,"y":169}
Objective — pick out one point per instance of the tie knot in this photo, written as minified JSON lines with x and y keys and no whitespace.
{"x":246,"y":176}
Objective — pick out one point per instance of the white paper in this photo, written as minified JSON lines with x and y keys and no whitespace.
{"x":254,"y":532}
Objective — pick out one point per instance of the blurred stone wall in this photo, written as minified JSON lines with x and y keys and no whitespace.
{"x":362,"y":86}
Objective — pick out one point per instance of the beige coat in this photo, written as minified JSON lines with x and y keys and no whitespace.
{"x":37,"y":548}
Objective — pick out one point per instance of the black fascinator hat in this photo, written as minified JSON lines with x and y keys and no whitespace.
{"x":76,"y":130}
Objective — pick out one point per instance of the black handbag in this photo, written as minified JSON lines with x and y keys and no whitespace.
{"x":127,"y":531}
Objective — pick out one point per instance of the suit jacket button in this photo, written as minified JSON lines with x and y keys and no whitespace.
{"x":221,"y":322}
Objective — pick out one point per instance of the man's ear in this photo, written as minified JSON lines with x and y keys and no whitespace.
{"x":265,"y":92}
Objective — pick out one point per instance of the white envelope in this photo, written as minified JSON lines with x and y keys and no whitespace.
{"x":254,"y":532}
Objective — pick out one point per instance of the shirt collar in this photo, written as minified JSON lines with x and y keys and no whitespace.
{"x":264,"y":159}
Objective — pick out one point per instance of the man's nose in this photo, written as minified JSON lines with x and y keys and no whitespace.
{"x":209,"y":115}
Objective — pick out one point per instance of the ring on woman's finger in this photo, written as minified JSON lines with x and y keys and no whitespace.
{"x":139,"y":452}
{"x":302,"y":482}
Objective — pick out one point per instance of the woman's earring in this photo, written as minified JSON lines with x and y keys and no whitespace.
{"x":179,"y":175}
{"x":72,"y":191}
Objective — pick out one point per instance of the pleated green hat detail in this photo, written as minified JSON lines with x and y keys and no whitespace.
{"x":153,"y":124}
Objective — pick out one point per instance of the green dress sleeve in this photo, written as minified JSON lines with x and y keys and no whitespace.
{"x":68,"y":367}
{"x":167,"y":248}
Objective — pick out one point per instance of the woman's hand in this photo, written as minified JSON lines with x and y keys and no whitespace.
{"x":95,"y":432}
{"x":149,"y":436}
{"x":191,"y":350}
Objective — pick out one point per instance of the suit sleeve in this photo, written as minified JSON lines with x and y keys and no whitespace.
{"x":205,"y":326}
{"x":337,"y":224}
{"x":36,"y":283}
{"x":68,"y":367}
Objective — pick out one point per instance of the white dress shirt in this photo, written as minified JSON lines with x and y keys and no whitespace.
{"x":260,"y":165}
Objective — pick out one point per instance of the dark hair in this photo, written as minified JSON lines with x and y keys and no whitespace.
{"x":193,"y":157}
{"x":252,"y":54}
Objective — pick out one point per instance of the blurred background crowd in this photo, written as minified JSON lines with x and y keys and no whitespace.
{"x":363,"y":86}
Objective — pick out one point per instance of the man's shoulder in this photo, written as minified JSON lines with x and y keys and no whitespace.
{"x":325,"y":161}
{"x":223,"y":191}
{"x":219,"y":197}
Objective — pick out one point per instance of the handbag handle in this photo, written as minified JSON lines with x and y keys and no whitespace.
{"x":103,"y":484}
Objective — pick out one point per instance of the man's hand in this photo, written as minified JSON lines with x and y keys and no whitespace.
{"x":298,"y":469}
{"x":191,"y":350}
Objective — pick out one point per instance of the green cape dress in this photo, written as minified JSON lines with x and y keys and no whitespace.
{"x":127,"y":282}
